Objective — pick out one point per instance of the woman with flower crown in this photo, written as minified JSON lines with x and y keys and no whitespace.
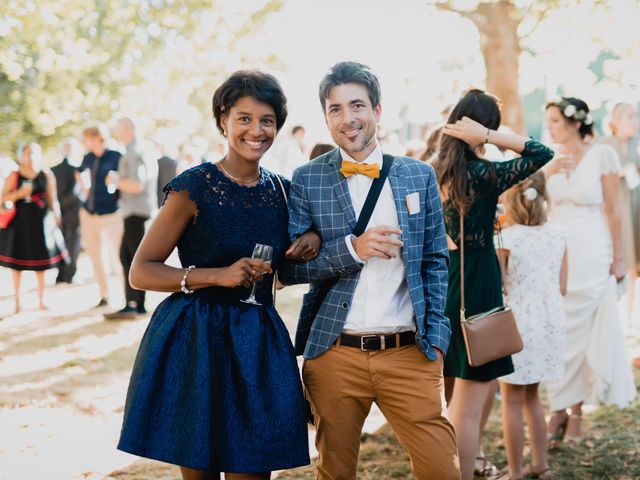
{"x":583,"y":182}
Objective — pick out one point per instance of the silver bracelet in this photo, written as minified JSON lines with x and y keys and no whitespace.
{"x":183,"y":284}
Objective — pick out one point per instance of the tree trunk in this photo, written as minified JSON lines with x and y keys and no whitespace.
{"x":497,"y":23}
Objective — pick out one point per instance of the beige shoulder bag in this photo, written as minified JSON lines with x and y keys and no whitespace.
{"x":490,"y":335}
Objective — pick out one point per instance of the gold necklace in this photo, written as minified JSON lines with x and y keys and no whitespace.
{"x":237,"y":179}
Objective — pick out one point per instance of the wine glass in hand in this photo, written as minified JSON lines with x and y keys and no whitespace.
{"x":264,"y":253}
{"x":29,"y":185}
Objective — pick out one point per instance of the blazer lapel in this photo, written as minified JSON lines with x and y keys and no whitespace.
{"x":341,"y":188}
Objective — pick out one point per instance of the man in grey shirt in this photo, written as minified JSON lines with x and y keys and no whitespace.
{"x":136,"y":181}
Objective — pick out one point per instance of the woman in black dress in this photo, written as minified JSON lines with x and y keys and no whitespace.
{"x":32,"y":241}
{"x":471,"y":184}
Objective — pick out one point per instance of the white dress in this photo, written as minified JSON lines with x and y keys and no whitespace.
{"x":533,"y":287}
{"x":596,"y":365}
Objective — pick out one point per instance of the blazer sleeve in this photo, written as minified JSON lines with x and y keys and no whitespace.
{"x":334,"y":258}
{"x":435,"y":273}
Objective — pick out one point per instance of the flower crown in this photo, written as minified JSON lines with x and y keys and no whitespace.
{"x":530,"y":194}
{"x":569,"y":110}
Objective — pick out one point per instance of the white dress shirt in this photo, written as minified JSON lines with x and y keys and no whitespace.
{"x":381,"y":302}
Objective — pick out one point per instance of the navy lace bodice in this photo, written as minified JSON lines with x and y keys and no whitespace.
{"x":229,"y":221}
{"x":484,"y":190}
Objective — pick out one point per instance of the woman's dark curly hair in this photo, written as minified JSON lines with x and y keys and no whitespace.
{"x":250,"y":83}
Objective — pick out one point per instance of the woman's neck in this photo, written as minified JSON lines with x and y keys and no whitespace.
{"x":240,"y":169}
{"x":575,"y":146}
{"x":28,"y":170}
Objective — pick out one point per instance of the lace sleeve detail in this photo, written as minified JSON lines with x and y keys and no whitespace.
{"x":534,"y":156}
{"x":609,"y":160}
{"x":188,"y":180}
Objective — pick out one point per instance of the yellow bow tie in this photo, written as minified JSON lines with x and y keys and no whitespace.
{"x":351,"y":168}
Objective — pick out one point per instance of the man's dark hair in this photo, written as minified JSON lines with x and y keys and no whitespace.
{"x":350,"y":72}
{"x":250,"y":83}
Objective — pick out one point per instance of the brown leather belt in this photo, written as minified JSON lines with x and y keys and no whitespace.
{"x":368,"y":343}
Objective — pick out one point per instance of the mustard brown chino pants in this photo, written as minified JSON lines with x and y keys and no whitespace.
{"x":342,"y":383}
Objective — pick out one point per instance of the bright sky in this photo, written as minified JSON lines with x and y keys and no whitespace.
{"x":425,"y":58}
{"x":401,"y":41}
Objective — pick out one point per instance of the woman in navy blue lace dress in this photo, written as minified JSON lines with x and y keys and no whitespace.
{"x":215,"y":386}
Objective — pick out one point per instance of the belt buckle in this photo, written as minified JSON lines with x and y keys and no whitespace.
{"x":382,"y":342}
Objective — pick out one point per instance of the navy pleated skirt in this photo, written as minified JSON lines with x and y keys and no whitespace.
{"x":216,"y":387}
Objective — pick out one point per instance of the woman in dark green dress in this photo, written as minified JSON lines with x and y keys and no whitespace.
{"x":472,"y":184}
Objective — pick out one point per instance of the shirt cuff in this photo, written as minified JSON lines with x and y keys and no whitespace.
{"x":352,"y":251}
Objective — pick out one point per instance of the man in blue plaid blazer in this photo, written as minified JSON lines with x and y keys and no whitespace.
{"x":380,"y":333}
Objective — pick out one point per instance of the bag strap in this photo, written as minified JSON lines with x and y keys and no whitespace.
{"x":284,"y":192}
{"x":461,"y":246}
{"x":463,"y":318}
{"x":286,"y":201}
{"x":373,"y":195}
{"x":361,"y":225}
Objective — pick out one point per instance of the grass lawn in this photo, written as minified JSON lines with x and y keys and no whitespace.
{"x":611,"y":449}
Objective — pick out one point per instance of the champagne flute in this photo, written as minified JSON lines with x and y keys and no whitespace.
{"x":264,"y":253}
{"x":28,"y":183}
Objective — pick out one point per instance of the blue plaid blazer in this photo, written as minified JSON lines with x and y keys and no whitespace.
{"x":319,"y":200}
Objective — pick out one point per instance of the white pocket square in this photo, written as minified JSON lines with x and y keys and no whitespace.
{"x":413,"y":203}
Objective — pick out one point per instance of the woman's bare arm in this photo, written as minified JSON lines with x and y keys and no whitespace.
{"x":475,"y":134}
{"x":149,"y":272}
{"x":10,"y":193}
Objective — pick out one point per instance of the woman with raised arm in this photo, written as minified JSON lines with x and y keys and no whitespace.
{"x":470,"y":187}
{"x":215,"y":387}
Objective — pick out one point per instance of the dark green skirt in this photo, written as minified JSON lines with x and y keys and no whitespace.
{"x":483,"y":291}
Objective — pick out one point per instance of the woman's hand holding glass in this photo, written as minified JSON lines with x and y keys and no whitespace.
{"x":263,"y":253}
{"x":25,"y":190}
{"x":242,"y":273}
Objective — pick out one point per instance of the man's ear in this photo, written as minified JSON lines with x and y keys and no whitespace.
{"x":378,"y":112}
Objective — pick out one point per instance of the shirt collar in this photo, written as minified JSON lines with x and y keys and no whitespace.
{"x":374,"y":157}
